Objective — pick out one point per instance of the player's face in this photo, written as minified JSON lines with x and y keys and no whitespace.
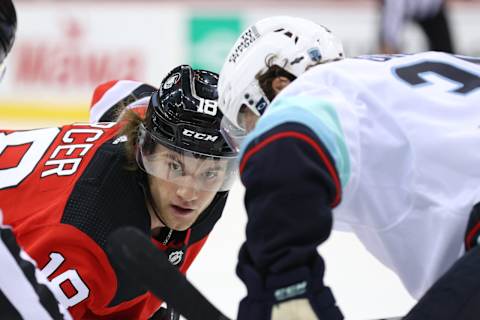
{"x":186,"y":186}
{"x":247,"y":119}
{"x":279,"y":83}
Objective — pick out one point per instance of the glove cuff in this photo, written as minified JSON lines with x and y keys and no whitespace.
{"x":267,"y":290}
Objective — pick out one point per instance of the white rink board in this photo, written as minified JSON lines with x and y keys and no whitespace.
{"x":64,"y":49}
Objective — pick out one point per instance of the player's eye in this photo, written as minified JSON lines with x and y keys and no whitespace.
{"x":210,"y":175}
{"x":175,"y":168}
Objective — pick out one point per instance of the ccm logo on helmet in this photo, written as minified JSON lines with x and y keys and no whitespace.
{"x":199,"y":136}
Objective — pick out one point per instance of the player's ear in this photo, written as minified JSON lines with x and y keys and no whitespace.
{"x":279,"y":83}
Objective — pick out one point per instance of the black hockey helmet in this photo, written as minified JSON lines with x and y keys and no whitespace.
{"x":8,"y":27}
{"x":184,"y":112}
{"x":183,"y":116}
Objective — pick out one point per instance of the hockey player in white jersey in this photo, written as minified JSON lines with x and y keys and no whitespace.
{"x":385,"y":146}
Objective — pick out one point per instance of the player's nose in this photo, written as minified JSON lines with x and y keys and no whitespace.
{"x":187,"y":190}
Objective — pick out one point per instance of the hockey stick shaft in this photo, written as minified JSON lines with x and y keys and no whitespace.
{"x":134,"y":251}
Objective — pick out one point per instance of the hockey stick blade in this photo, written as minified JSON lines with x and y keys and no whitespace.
{"x":134,"y":252}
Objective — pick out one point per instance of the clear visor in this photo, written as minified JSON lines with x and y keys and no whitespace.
{"x":234,"y":134}
{"x":184,"y":167}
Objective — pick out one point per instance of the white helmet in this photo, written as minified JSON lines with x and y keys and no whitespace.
{"x":295,"y":44}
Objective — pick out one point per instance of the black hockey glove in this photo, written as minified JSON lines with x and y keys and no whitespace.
{"x":295,"y":295}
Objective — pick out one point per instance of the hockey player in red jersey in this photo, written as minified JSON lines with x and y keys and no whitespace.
{"x":386,"y":147}
{"x":64,"y":190}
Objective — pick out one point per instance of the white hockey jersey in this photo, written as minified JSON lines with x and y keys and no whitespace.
{"x":404,"y":133}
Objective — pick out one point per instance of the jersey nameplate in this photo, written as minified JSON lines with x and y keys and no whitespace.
{"x":66,"y":157}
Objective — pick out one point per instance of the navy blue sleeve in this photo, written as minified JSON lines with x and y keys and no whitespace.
{"x":291,"y":186}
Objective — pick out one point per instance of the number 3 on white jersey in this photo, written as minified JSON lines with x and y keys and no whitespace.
{"x":449,"y":77}
{"x":39,"y":141}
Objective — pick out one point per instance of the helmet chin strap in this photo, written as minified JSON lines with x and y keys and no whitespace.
{"x":151,"y":203}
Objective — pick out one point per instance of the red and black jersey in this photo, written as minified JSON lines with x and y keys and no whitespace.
{"x":63,"y":190}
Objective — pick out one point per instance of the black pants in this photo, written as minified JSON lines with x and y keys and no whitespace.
{"x":437,"y":30}
{"x":456,"y":295}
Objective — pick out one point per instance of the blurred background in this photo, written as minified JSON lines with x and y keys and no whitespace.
{"x":65,"y":48}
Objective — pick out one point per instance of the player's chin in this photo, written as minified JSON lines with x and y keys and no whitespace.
{"x":181,"y":222}
{"x":180,"y":226}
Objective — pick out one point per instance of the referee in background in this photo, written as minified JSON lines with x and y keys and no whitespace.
{"x":24,"y":291}
{"x":430,"y":15}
